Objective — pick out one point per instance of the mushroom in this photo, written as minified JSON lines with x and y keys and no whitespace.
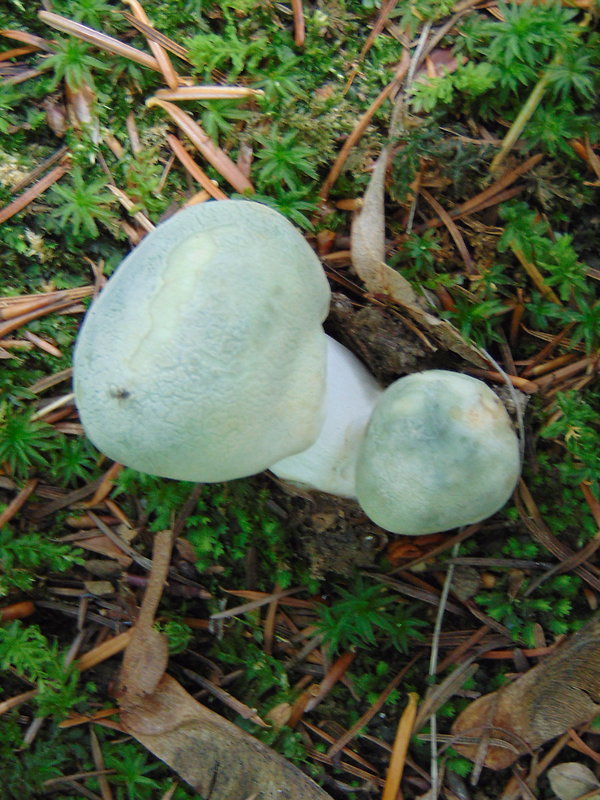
{"x":203,"y":358}
{"x":433,"y":451}
{"x":439,"y":452}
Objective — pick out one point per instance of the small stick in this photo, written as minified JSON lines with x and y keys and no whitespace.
{"x":523,"y":117}
{"x":108,"y":648}
{"x":333,"y":675}
{"x":530,"y":387}
{"x":361,"y":723}
{"x":452,"y":229}
{"x":476,"y":203}
{"x":17,"y":700}
{"x":244,"y":609}
{"x":17,"y":611}
{"x":58,"y":403}
{"x":28,"y":38}
{"x":361,"y":126}
{"x":42,"y":344}
{"x":130,"y":205}
{"x":156,"y":36}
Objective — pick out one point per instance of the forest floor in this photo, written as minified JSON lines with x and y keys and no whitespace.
{"x":458,"y":143}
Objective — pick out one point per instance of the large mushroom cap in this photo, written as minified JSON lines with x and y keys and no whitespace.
{"x":204,"y":358}
{"x":439,"y":452}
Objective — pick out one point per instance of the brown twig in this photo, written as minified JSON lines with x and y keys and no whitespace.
{"x":489,"y":195}
{"x":374,"y":708}
{"x":452,"y":230}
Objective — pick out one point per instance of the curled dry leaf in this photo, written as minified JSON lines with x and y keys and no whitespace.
{"x":147,"y":653}
{"x":368,"y":242}
{"x":560,"y":693}
{"x":213,"y":755}
{"x":368,"y":259}
{"x":570,"y":780}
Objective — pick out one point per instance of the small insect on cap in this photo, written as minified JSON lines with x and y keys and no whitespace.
{"x":439,"y":452}
{"x":203,"y":359}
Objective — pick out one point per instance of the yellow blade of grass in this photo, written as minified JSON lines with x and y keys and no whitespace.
{"x":523,"y":117}
{"x":213,"y":154}
{"x":400,"y":749}
{"x":535,"y":275}
{"x":207,"y":93}
{"x":99,"y":39}
{"x":129,"y":205}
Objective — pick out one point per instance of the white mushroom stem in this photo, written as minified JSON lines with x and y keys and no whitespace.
{"x":329,"y":465}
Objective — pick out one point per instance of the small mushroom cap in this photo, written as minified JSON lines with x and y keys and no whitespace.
{"x":203,"y":359}
{"x":440,"y":451}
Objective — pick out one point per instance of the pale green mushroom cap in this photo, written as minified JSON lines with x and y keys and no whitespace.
{"x":439,"y":452}
{"x":203,"y":359}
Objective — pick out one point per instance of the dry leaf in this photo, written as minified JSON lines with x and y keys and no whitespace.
{"x":103,"y":545}
{"x":213,"y":755}
{"x":558,"y":694}
{"x":570,"y":780}
{"x":368,"y":242}
{"x":147,"y":653}
{"x":368,"y":259}
{"x":144,"y":663}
